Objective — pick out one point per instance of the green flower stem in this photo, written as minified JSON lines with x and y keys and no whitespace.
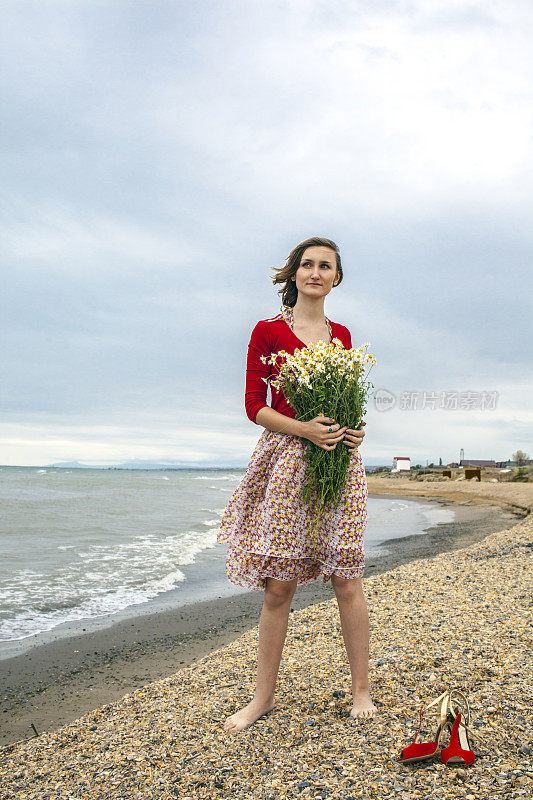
{"x":342,"y":398}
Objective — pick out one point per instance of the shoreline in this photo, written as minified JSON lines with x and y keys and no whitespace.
{"x":55,"y":683}
{"x":458,"y":618}
{"x":204,"y":579}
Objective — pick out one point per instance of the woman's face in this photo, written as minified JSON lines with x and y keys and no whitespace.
{"x":317,"y":272}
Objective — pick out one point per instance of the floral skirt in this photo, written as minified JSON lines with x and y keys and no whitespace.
{"x":269,"y":527}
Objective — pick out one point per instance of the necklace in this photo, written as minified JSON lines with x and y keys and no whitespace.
{"x":287,"y":313}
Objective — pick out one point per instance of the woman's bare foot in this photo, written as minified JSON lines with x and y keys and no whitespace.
{"x":363,"y":705}
{"x":247,"y":716}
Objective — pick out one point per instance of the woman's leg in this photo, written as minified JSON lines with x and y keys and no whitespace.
{"x":355,"y":632}
{"x":273,"y":625}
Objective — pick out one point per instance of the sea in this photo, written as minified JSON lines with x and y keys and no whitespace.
{"x":86,"y":544}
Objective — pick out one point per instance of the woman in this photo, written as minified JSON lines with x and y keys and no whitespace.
{"x":266,"y":522}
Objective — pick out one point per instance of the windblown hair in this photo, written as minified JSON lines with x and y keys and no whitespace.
{"x":284,"y":275}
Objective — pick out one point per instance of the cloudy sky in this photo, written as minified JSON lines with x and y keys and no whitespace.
{"x":159,"y":158}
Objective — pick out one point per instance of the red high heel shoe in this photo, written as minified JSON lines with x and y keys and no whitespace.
{"x":422,"y":751}
{"x":458,"y":751}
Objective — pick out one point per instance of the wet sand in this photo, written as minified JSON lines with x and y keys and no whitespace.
{"x":58,"y":682}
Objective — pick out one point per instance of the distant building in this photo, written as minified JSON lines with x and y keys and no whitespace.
{"x":476,"y":462}
{"x":510,"y":463}
{"x":400,"y":462}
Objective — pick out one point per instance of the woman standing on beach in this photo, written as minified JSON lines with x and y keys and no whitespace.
{"x":266,"y":522}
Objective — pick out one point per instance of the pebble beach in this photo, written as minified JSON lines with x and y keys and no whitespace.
{"x":460,"y":619}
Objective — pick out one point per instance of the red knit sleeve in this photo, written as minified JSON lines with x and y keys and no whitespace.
{"x":349,"y":340}
{"x":257,"y":372}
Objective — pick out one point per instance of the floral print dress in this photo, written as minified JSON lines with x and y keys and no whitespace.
{"x":268,"y":525}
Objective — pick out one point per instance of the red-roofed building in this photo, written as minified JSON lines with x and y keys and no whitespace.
{"x":400,"y":462}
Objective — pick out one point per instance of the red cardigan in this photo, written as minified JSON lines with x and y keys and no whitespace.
{"x":269,"y":336}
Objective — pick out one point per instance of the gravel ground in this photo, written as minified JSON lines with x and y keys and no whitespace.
{"x":459,"y":619}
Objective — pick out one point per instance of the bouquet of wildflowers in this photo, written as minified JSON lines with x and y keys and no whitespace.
{"x":325,"y":380}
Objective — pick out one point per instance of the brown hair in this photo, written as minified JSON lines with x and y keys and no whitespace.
{"x":289,"y":292}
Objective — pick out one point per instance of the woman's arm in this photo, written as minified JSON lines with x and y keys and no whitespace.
{"x":269,"y":418}
{"x":257,"y":373}
{"x":323,"y":431}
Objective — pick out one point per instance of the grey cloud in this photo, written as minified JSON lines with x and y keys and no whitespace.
{"x":159,"y":158}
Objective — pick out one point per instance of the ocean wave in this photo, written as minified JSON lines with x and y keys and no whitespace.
{"x":231,"y":477}
{"x":86,"y":585}
{"x":28,"y":623}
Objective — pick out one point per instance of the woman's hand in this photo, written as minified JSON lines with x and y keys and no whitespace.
{"x":317,"y":431}
{"x":354,"y":437}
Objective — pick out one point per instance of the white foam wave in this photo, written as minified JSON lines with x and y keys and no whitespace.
{"x":26,"y":624}
{"x":218,"y":511}
{"x":231,"y":477}
{"x":210,"y":522}
{"x":86,"y":584}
